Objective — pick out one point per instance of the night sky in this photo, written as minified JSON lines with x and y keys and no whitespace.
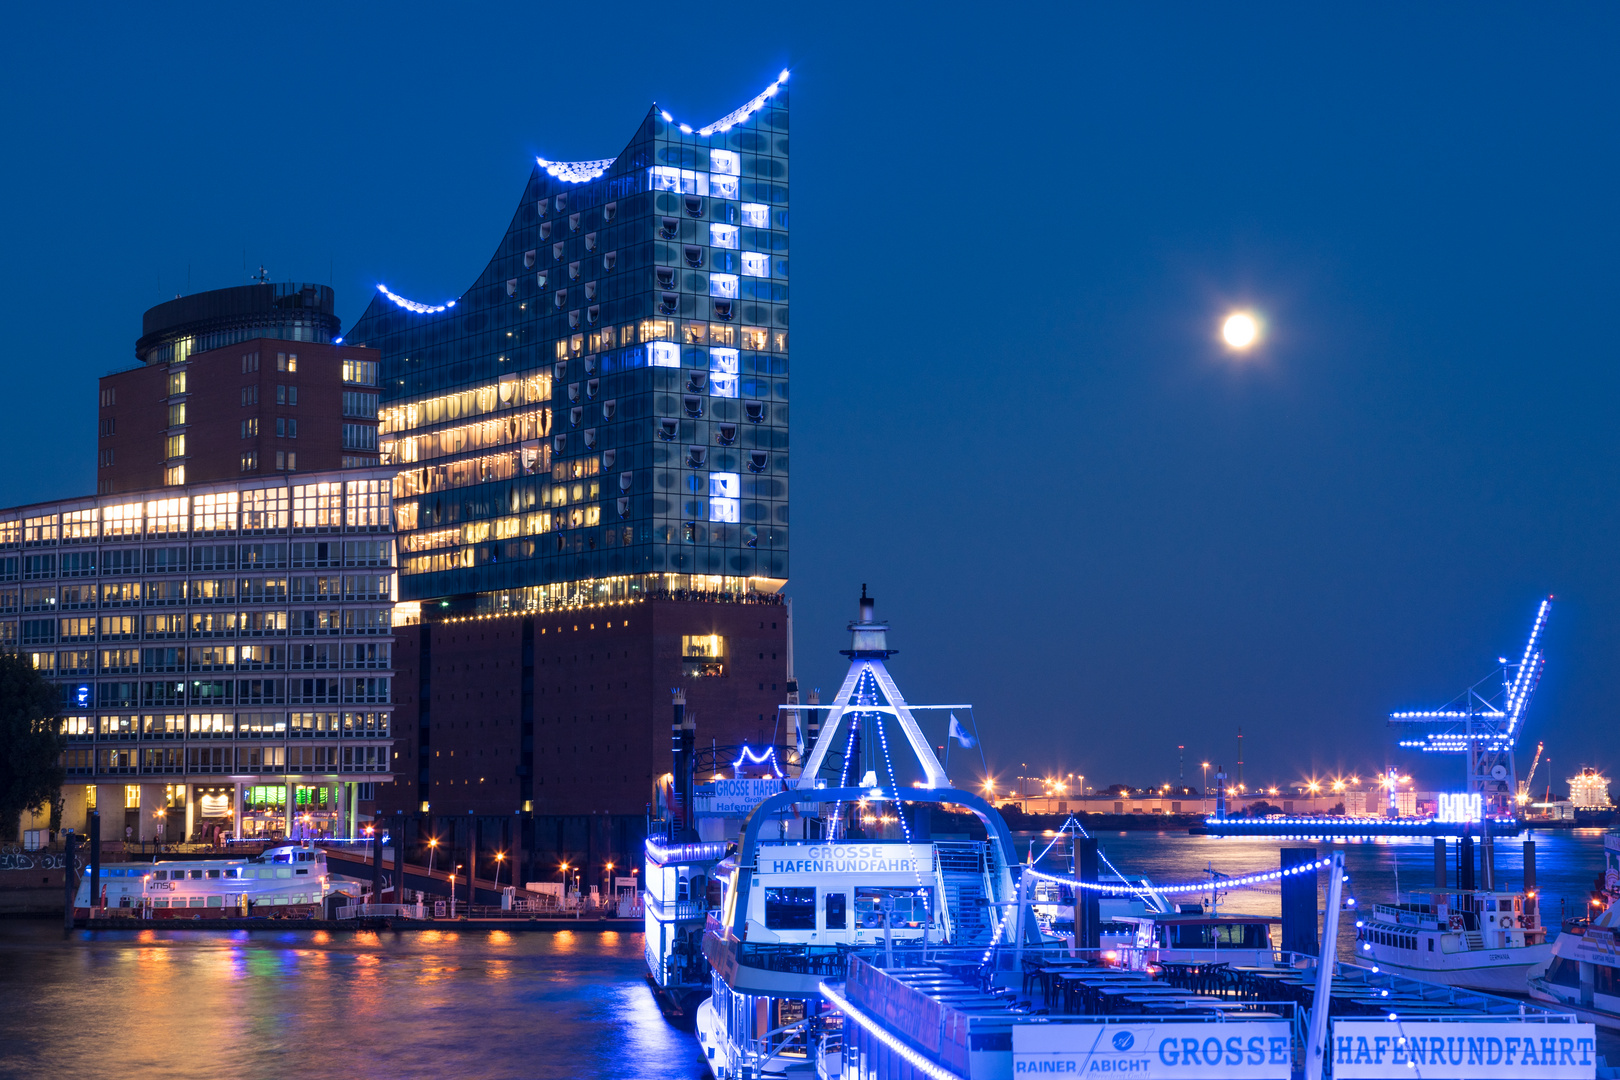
{"x":1016,"y":230}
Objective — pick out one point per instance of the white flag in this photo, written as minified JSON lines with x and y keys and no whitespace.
{"x":958,"y":734}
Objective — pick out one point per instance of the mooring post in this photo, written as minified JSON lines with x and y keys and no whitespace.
{"x":70,"y":879}
{"x":376,"y":862}
{"x":1299,"y":903}
{"x":95,"y":861}
{"x":1087,"y":923}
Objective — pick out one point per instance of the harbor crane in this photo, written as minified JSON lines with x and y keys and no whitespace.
{"x":1530,"y":777}
{"x":1482,"y":723}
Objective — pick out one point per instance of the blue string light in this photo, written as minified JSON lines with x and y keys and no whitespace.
{"x":1189,"y":887}
{"x":412,"y":305}
{"x":917,"y":1061}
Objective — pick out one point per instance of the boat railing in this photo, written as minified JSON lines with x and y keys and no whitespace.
{"x":676,"y":910}
{"x":790,"y":1040}
{"x":379,"y":911}
{"x":795,"y":959}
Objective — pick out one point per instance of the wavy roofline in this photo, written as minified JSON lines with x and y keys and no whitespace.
{"x":579,"y":172}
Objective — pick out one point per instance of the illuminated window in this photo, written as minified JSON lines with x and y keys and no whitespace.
{"x":167,"y":517}
{"x":79,"y":525}
{"x":286,"y":361}
{"x":723,"y":187}
{"x":364,"y":372}
{"x":317,"y":506}
{"x":756,"y":215}
{"x":723,"y":286}
{"x":663,"y":354}
{"x":724,"y":162}
{"x":723,"y":373}
{"x":177,"y":415}
{"x":724,"y":490}
{"x":132,"y":796}
{"x":215,"y":513}
{"x":755,"y":264}
{"x":177,"y":383}
{"x":703,"y":655}
{"x":175,"y":446}
{"x":723,"y":236}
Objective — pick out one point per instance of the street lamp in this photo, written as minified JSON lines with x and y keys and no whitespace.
{"x":500,"y":857}
{"x":1204,"y":791}
{"x":433,"y":848}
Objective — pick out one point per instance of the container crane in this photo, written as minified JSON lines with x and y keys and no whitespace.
{"x":1483,"y":723}
{"x":1530,"y":778}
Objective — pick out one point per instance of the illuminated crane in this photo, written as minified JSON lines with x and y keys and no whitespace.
{"x":1530,"y":778}
{"x":1484,"y":725}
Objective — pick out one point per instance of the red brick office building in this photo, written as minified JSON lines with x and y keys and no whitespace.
{"x":237,"y":382}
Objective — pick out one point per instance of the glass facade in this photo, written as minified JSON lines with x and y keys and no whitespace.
{"x":231,"y":629}
{"x":604,"y":413}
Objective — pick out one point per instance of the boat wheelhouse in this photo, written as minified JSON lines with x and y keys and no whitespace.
{"x":1193,"y":937}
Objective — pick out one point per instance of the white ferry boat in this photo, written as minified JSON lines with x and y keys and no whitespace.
{"x":1583,"y":972}
{"x":821,"y":873}
{"x":293,"y":876}
{"x":1477,"y":940}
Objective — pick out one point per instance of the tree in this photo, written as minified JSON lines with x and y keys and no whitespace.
{"x":31,"y":741}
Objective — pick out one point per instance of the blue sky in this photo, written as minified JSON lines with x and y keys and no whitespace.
{"x":1016,"y":231}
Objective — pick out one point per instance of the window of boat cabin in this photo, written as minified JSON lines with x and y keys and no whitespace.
{"x":1223,"y":936}
{"x":836,"y":904}
{"x":790,"y":909}
{"x":911,"y":908}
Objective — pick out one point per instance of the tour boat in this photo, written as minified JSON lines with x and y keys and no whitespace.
{"x":293,"y":876}
{"x":823,"y":870}
{"x":1582,"y":973}
{"x":1477,"y":940}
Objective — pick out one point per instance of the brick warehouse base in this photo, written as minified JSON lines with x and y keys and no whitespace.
{"x":541,"y":735}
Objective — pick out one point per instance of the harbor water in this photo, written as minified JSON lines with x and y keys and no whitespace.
{"x":470,"y":1003}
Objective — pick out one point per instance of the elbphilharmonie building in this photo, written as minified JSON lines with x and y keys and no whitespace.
{"x":603,"y":412}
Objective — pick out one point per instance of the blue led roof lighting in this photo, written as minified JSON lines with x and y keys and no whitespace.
{"x":579,"y":172}
{"x":412,"y":305}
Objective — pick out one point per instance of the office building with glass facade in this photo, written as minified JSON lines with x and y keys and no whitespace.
{"x":224,"y":651}
{"x":603,"y":414}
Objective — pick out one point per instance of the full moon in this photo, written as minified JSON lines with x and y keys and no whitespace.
{"x":1240,"y":330}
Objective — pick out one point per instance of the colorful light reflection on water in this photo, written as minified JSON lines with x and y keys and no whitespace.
{"x":466,"y":1003}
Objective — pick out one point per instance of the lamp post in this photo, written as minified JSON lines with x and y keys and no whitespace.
{"x":1204,"y":791}
{"x":500,"y":857}
{"x":433,"y":848}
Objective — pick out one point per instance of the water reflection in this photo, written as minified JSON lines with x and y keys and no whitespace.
{"x":288,"y":1004}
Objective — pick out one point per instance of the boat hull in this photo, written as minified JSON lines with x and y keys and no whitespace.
{"x":1504,"y":976}
{"x":1602,"y":1018}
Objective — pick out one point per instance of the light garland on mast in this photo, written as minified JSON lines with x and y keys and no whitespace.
{"x":1188,"y":887}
